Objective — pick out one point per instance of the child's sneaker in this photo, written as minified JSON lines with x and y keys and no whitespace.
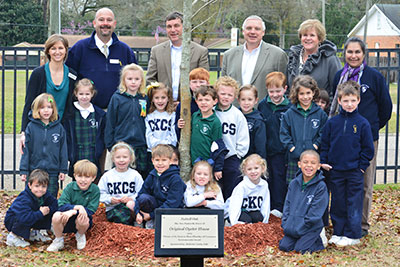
{"x":323,"y":237}
{"x":80,"y":241}
{"x":16,"y":241}
{"x":276,"y":213}
{"x":334,"y":239}
{"x":345,"y":241}
{"x":56,"y":245}
{"x":36,"y":235}
{"x":150,"y":224}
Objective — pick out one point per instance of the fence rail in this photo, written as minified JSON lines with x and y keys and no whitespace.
{"x":17,"y":62}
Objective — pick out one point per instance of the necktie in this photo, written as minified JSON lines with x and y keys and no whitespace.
{"x":105,"y":51}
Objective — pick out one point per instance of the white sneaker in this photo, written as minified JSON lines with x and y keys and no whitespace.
{"x":16,"y":241}
{"x":150,"y":224}
{"x":334,"y":239}
{"x":276,"y":213}
{"x":56,"y":245}
{"x":323,"y":237}
{"x":345,"y":241}
{"x":37,"y":235}
{"x":80,"y":241}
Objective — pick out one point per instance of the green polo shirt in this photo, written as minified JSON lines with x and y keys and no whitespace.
{"x":73,"y":195}
{"x":204,"y":132}
{"x":304,"y":112}
{"x":304,"y":185}
{"x":274,"y":106}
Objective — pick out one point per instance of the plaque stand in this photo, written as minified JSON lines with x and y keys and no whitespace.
{"x":195,"y":261}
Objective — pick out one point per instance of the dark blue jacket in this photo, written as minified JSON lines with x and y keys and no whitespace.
{"x":375,"y":104}
{"x":193,"y":109}
{"x":273,"y":124}
{"x":125,"y":120}
{"x":257,"y":133}
{"x":302,"y":132}
{"x":25,"y":211}
{"x":86,"y":58}
{"x":45,"y":148}
{"x":69,"y":125}
{"x":303,"y":209}
{"x":347,"y":142}
{"x":167,"y":189}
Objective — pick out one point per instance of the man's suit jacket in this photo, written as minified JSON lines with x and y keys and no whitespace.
{"x":159,"y":68}
{"x":271,"y":58}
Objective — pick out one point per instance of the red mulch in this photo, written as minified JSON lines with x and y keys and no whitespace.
{"x":118,"y":240}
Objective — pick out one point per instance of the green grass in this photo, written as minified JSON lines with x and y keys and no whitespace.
{"x":393,"y":92}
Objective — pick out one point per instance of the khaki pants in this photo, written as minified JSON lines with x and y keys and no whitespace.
{"x":369,"y":176}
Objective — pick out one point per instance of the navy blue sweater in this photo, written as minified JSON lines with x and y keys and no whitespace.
{"x":125,"y":120}
{"x":45,"y":148}
{"x":25,"y":210}
{"x":302,"y":132}
{"x":375,"y":104}
{"x":304,"y":208}
{"x":257,"y":133}
{"x":69,"y":125}
{"x":167,"y":189}
{"x":347,"y":142}
{"x":87,"y":59}
{"x":273,"y":124}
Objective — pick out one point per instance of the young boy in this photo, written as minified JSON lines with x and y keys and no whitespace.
{"x":272,"y":108}
{"x":235,"y":133}
{"x":163,"y":188}
{"x":305,"y":203}
{"x":32,"y":209}
{"x":347,"y":147}
{"x":323,"y":100}
{"x":77,"y":204}
{"x":197,"y":77}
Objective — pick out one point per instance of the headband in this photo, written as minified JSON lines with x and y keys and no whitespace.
{"x":122,"y":145}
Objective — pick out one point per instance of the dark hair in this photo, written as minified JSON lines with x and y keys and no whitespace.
{"x":206,"y":90}
{"x":355,"y":40}
{"x":348,"y":88}
{"x":323,"y":94}
{"x":174,"y":15}
{"x":303,"y":81}
{"x":176,"y":152}
{"x":40,"y":176}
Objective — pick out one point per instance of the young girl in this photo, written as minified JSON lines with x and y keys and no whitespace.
{"x":120,"y":185}
{"x":248,"y":98}
{"x":160,"y":122}
{"x":45,"y":143}
{"x":85,"y":129}
{"x":126,"y":113}
{"x":302,"y":122}
{"x":202,"y":191}
{"x":250,"y":199}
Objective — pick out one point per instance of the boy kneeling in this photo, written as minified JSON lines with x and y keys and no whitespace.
{"x":77,"y":204}
{"x":306,"y":201}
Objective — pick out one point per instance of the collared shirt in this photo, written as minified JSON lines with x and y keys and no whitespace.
{"x":249,"y":63}
{"x":274,"y":106}
{"x":85,"y":112}
{"x":100,"y":44}
{"x":303,"y":111}
{"x":176,"y":57}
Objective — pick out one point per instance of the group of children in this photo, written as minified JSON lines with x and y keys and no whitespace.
{"x":230,"y":150}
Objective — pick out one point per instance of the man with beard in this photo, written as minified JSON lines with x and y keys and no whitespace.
{"x":101,"y":57}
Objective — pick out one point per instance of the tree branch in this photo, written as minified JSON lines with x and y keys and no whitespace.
{"x":202,"y":7}
{"x":204,"y":21}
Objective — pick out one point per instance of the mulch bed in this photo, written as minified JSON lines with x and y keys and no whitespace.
{"x":107,"y":239}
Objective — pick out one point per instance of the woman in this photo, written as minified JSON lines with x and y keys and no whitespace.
{"x":315,"y":56}
{"x":54,"y":78}
{"x":375,"y":106}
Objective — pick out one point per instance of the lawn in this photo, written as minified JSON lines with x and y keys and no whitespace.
{"x":380,"y":248}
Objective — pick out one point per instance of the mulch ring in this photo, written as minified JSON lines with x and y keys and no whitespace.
{"x":107,"y":239}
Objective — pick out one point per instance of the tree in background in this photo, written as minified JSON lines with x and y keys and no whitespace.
{"x":21,"y":21}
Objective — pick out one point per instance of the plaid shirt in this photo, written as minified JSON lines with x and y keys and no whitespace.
{"x":85,"y":130}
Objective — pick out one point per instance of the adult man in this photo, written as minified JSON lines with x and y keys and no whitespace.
{"x":165,"y":59}
{"x":250,"y":63}
{"x":101,"y":57}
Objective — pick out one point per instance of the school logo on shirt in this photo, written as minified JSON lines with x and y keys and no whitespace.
{"x":93,"y":123}
{"x":309,"y":199}
{"x":250,"y":125}
{"x":354,"y":128}
{"x":205,"y":129}
{"x":164,"y":188}
{"x":143,"y":105}
{"x":252,"y":202}
{"x":364,"y":88}
{"x":55,"y":138}
{"x":315,"y":123}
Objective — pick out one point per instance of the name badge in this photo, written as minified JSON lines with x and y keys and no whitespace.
{"x":72,"y":76}
{"x":114,"y":61}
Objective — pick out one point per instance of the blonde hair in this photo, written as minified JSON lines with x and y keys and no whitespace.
{"x":52,"y":40}
{"x":123,"y":145}
{"x":249,"y":87}
{"x":39,"y":101}
{"x":124,"y":72}
{"x":258,"y":160}
{"x":312,"y":24}
{"x":85,"y":167}
{"x":162,"y":150}
{"x":227,"y":81}
{"x":305,"y":81}
{"x":87,"y":83}
{"x":153,"y":88}
{"x":212,"y":184}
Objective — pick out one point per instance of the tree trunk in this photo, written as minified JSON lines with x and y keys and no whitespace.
{"x":281,"y":35}
{"x":184,"y":145}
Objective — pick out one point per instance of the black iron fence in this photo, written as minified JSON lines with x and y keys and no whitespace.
{"x":16,"y":63}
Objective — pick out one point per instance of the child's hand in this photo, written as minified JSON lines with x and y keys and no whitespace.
{"x":22,"y":143}
{"x":82,"y":218}
{"x":181,"y":123}
{"x":139,"y":218}
{"x":130,"y":204}
{"x":201,"y":204}
{"x":115,"y":200}
{"x":44,"y":210}
{"x":176,"y":104}
{"x":326,"y":166}
{"x":23,"y":177}
{"x":125,"y":199}
{"x":61,"y":176}
{"x":315,"y":146}
{"x":146,"y":216}
{"x":362,"y":170}
{"x":218,"y":175}
{"x":210,"y":194}
{"x":292,"y":149}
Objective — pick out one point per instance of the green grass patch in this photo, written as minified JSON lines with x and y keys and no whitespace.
{"x":393,"y":92}
{"x":387,"y":187}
